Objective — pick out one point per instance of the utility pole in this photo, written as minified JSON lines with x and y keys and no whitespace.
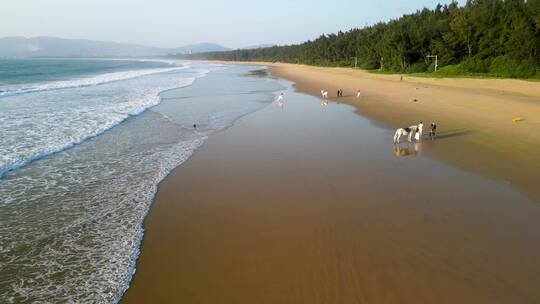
{"x":436,"y":63}
{"x":355,"y":61}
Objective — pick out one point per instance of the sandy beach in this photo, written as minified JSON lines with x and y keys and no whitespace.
{"x":475,"y":116}
{"x":269,"y":152}
{"x":309,"y":203}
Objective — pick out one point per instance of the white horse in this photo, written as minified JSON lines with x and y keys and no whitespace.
{"x":410,"y":131}
{"x":324,"y":94}
{"x":280,"y":98}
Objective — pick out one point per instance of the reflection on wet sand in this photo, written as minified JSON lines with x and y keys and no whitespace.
{"x":407,"y":150}
{"x":324,"y":102}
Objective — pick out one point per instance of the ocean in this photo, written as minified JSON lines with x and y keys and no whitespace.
{"x":84,"y":144}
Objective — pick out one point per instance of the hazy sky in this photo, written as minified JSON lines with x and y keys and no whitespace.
{"x":170,"y":23}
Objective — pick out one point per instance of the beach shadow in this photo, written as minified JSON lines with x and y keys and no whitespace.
{"x":454,"y":133}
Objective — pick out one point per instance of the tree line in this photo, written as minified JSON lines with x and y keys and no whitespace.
{"x":497,"y":37}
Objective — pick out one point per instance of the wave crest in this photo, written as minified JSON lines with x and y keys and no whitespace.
{"x":84,"y":82}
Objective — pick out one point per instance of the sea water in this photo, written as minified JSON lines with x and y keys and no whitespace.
{"x":83,"y":146}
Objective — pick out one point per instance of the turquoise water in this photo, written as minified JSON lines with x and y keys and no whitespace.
{"x":27,"y":71}
{"x":41,"y":118}
{"x":81,"y":159}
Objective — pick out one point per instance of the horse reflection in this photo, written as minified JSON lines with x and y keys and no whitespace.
{"x":407,"y":150}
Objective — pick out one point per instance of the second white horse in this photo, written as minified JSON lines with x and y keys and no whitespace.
{"x":324,"y":94}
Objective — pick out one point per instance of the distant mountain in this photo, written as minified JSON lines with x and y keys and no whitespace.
{"x":259,"y":46}
{"x":200,"y":48}
{"x":58,"y":47}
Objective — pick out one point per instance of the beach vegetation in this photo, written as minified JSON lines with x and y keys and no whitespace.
{"x":493,"y":38}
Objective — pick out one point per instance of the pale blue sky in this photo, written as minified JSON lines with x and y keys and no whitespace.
{"x":170,"y":23}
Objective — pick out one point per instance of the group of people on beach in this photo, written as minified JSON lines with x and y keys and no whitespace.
{"x":411,"y":131}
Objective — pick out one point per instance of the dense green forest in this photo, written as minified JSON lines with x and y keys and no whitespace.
{"x":484,"y":37}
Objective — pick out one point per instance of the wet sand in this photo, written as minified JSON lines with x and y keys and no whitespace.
{"x":473,"y":115}
{"x":310,"y":204}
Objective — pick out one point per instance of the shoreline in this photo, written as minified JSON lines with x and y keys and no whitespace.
{"x":279,"y":209}
{"x":475,"y":118}
{"x":527,"y":87}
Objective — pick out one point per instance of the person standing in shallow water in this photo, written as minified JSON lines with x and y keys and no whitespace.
{"x":432,"y":130}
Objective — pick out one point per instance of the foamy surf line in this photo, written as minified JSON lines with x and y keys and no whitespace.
{"x":116,"y":176}
{"x":85,"y":82}
{"x":141,"y":105}
{"x":168,"y":167}
{"x":7,"y":168}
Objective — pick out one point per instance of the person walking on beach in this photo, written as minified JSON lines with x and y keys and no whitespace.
{"x":432,"y":130}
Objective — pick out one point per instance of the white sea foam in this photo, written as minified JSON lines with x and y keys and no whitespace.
{"x":44,"y":122}
{"x":96,"y":242}
{"x":82,"y":82}
{"x":71,"y":224}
